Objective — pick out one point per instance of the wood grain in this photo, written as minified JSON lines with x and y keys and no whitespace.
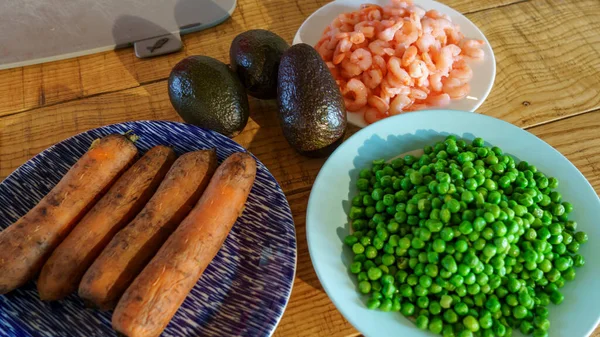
{"x":309,"y":311}
{"x":42,"y":85}
{"x":548,"y":58}
{"x":577,"y":139}
{"x":548,"y":80}
{"x":25,"y":134}
{"x":263,"y":135}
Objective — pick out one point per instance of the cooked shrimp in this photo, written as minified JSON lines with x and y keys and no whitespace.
{"x":417,"y":94}
{"x":338,"y":57}
{"x":391,"y":90}
{"x":373,"y":115}
{"x":432,"y":13}
{"x":341,"y":35}
{"x":398,"y":74}
{"x":364,"y":45}
{"x":344,"y":45}
{"x":472,"y":48}
{"x":371,"y":13}
{"x":379,"y":47}
{"x":325,"y":52}
{"x":397,"y":58}
{"x":426,"y":57}
{"x":372,"y":78}
{"x":461,"y":71}
{"x":455,"y":88}
{"x":454,"y":36}
{"x":418,"y":11}
{"x":409,"y":56}
{"x":435,"y":81}
{"x":378,"y":103}
{"x":349,"y":19}
{"x":367,"y":31}
{"x":425,"y":42}
{"x":355,"y":96}
{"x":379,"y":63}
{"x":388,"y":33}
{"x":416,"y":107}
{"x":401,"y":3}
{"x":438,"y":100}
{"x":446,"y":57}
{"x":418,"y":69}
{"x":408,"y":34}
{"x":398,"y":104}
{"x":395,"y":12}
{"x":423,"y":82}
{"x":333,"y":69}
{"x":362,"y":58}
{"x":356,"y":37}
{"x":333,"y":42}
{"x":350,"y":69}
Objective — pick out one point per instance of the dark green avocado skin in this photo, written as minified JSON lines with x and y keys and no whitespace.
{"x":255,"y":56}
{"x":207,"y":93}
{"x":311,"y":108}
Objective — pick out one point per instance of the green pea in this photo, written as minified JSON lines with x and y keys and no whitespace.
{"x":461,"y":246}
{"x":350,"y":240}
{"x":422,"y":322}
{"x":471,"y":323}
{"x":355,"y":267}
{"x":569,"y":274}
{"x":408,"y":309}
{"x":374,"y":273}
{"x":447,"y":234}
{"x":364,"y":287}
{"x":552,"y":183}
{"x":573,"y":247}
{"x":465,"y":227}
{"x":388,"y":260}
{"x":436,"y":325}
{"x":357,"y":248}
{"x":581,"y":237}
{"x":578,"y":260}
{"x":373,"y":303}
{"x":453,"y":205}
{"x":450,"y":316}
{"x":461,"y":308}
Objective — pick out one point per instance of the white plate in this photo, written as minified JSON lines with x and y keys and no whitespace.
{"x":484,"y":72}
{"x":327,"y":222}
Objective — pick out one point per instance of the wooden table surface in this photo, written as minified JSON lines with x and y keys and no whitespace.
{"x":548,"y":82}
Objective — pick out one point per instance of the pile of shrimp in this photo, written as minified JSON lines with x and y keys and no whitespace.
{"x":397,"y":58}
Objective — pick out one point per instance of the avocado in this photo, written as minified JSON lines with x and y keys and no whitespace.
{"x":207,"y":93}
{"x":254,"y":55}
{"x":311,"y":108}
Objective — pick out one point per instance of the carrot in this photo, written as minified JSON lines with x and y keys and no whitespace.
{"x":132,"y":247}
{"x":153,"y":298}
{"x":26,"y":244}
{"x":63,"y":271}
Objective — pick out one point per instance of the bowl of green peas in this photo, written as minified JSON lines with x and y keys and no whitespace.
{"x":449,"y":223}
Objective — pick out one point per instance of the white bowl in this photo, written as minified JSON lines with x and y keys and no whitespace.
{"x":327,"y":220}
{"x":484,"y":72}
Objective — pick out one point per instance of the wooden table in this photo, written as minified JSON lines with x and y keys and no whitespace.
{"x":548,"y":82}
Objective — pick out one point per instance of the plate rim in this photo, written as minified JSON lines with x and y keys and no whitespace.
{"x":368,"y":130}
{"x":217,"y":135}
{"x":421,"y":3}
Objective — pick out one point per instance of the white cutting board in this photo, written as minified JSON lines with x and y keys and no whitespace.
{"x":36,"y":31}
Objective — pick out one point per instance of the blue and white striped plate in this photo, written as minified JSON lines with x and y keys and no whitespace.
{"x":243,"y":292}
